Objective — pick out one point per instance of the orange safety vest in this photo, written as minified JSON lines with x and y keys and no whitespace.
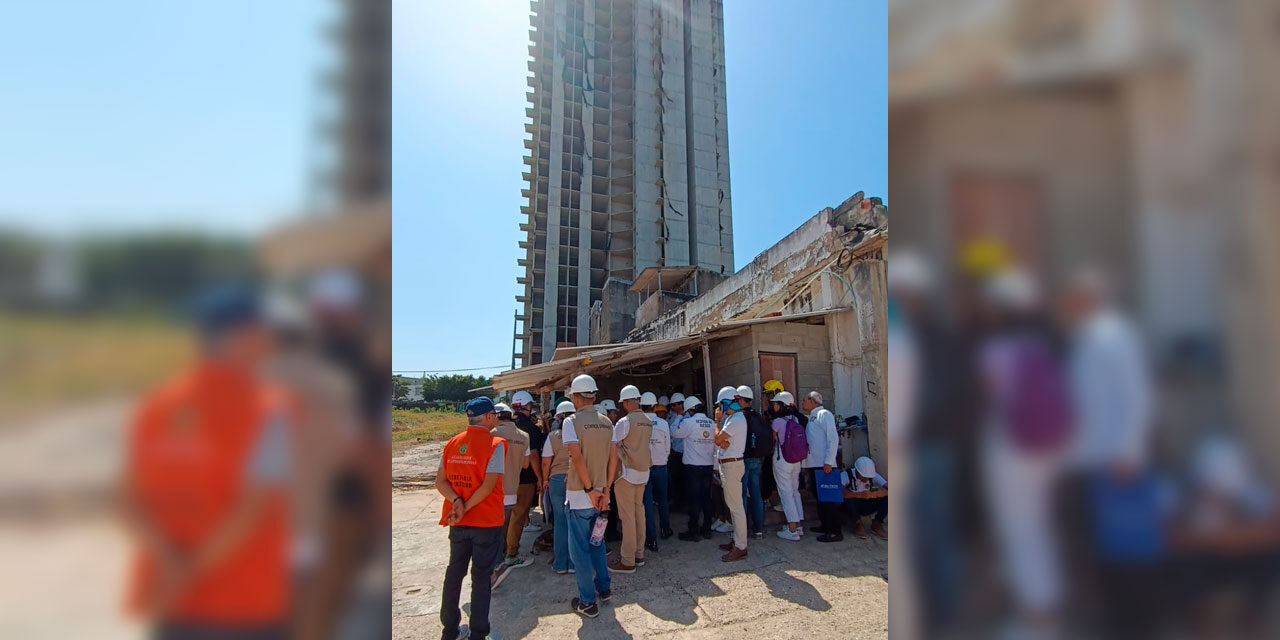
{"x":188,"y":451}
{"x":465,"y":458}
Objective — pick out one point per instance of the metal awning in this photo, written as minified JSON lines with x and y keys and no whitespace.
{"x":609,"y":358}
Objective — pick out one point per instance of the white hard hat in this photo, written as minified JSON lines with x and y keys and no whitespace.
{"x":565,"y":407}
{"x":608,"y":405}
{"x":648,"y":399}
{"x":663,"y":400}
{"x":866,"y":467}
{"x":745,"y":392}
{"x":726,"y":393}
{"x":521,"y":398}
{"x":583,"y":384}
{"x":909,"y":271}
{"x":1013,"y":289}
{"x":629,"y":392}
{"x":691,"y":402}
{"x":334,"y":289}
{"x":785,"y":397}
{"x":501,"y":408}
{"x":676,"y":399}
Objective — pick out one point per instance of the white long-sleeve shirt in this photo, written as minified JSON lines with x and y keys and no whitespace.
{"x":823,"y":439}
{"x":659,"y":440}
{"x":1111,"y":389}
{"x":698,"y":433}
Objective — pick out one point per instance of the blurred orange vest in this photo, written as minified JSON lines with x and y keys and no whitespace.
{"x":465,"y":458}
{"x":188,"y":459}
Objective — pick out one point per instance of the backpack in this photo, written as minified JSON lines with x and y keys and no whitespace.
{"x":759,"y":436}
{"x":1038,"y":413}
{"x":795,"y":448}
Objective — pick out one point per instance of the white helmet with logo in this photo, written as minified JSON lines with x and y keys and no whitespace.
{"x":583,"y":384}
{"x":607,"y":405}
{"x":629,"y":392}
{"x":501,"y":408}
{"x":521,"y":398}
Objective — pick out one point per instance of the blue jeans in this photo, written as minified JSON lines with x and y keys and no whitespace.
{"x":592,"y":571}
{"x":560,"y":533}
{"x":655,"y":492}
{"x":699,"y":482}
{"x":752,"y":501}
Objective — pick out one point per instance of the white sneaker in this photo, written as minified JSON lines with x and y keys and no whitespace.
{"x":722,"y":527}
{"x":787,"y":534}
{"x":777,"y":507}
{"x":799,"y":530}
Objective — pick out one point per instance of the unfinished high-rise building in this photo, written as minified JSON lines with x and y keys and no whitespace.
{"x":628,"y":161}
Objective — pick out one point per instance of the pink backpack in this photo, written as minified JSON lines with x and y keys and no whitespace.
{"x":795,"y":447}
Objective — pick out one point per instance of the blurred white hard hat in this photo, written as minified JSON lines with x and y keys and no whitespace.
{"x":608,"y":405}
{"x":692,"y":402}
{"x":676,"y":399}
{"x":648,"y":399}
{"x":565,"y":407}
{"x":866,"y":467}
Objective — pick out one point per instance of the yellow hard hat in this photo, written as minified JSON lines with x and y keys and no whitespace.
{"x":661,"y":407}
{"x":773,"y":386}
{"x":984,"y":256}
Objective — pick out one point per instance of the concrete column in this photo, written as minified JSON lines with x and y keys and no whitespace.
{"x":872,"y":315}
{"x":551,"y":280}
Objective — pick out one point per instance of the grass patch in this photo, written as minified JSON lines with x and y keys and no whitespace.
{"x":411,"y":427}
{"x":51,"y":360}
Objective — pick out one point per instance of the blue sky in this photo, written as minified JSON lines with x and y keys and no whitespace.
{"x":136,"y":114}
{"x":808,"y":127}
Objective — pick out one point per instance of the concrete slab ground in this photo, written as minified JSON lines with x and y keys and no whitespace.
{"x":784,"y":589}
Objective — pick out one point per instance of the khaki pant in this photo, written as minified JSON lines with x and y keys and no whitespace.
{"x":731,"y":482}
{"x":631,"y":520}
{"x":516,"y":517}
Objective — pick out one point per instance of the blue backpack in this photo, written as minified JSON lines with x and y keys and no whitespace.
{"x":795,"y":447}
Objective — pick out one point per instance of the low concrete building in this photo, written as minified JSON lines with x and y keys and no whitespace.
{"x":810,"y":311}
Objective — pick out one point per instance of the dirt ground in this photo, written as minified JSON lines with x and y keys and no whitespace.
{"x":784,"y":589}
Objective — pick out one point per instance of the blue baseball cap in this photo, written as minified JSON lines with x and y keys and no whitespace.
{"x":225,"y":307}
{"x":479,"y":406}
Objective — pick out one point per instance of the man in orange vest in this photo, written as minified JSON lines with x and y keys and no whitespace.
{"x":469,"y":478}
{"x":206,"y":486}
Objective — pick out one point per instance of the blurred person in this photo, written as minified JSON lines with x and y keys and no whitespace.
{"x":1227,"y":539}
{"x":555,"y":467}
{"x":758,"y":449}
{"x":521,"y":404}
{"x":660,"y":410}
{"x":823,"y":441}
{"x":327,"y":424}
{"x":632,"y":432}
{"x":206,"y":485}
{"x":610,"y":410}
{"x":472,"y":465}
{"x":695,"y":431}
{"x":1026,"y":432}
{"x":866,"y":493}
{"x":676,"y":478}
{"x":731,"y":437}
{"x":791,"y":450}
{"x":594,"y":464}
{"x":657,"y":509}
{"x":516,"y":497}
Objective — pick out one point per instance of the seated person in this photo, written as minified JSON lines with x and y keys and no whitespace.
{"x":866,"y":493}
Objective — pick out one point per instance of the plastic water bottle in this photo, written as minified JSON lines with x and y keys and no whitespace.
{"x":597,"y":531}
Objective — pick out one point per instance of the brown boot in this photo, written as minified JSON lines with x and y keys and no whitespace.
{"x":877,"y":530}
{"x":728,"y":546}
{"x":617,"y":567}
{"x":859,"y":530}
{"x":734,"y":555}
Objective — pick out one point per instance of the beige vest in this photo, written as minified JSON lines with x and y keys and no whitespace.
{"x":517,"y":442}
{"x":595,"y":432}
{"x":560,"y":463}
{"x":634,"y":449}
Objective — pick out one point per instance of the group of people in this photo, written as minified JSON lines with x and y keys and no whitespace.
{"x":598,"y":461}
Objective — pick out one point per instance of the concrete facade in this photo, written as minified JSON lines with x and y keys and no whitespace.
{"x":628,"y":157}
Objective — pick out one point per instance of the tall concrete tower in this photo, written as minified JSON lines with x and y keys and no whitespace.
{"x":628,"y":157}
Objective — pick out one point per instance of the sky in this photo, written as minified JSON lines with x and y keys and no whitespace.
{"x":138,"y":114}
{"x":808,"y":127}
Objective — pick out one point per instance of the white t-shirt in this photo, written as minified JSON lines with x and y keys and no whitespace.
{"x":698,"y":433}
{"x":659,"y":440}
{"x":620,"y":431}
{"x":855,"y":484}
{"x":575,"y":499}
{"x":736,"y":426}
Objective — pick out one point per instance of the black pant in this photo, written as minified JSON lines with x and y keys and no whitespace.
{"x":676,"y":480}
{"x":480,"y":547}
{"x":876,"y":507}
{"x":699,"y":484}
{"x":208,"y":631}
{"x":828,"y":512}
